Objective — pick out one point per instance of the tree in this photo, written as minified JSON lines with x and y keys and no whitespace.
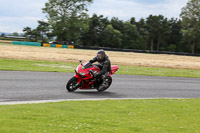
{"x":128,"y":30}
{"x":32,"y":35}
{"x":175,"y":35}
{"x":163,"y":32}
{"x":66,"y":17}
{"x":35,"y":35}
{"x":42,"y":28}
{"x":27,"y":32}
{"x":96,"y":26}
{"x":15,"y":34}
{"x":130,"y":36}
{"x":158,"y":28}
{"x":143,"y":34}
{"x":111,"y":37}
{"x":3,"y":35}
{"x":190,"y":15}
{"x":152,"y":29}
{"x":133,"y":21}
{"x":117,"y":24}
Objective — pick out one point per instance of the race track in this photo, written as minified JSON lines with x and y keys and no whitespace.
{"x":34,"y":86}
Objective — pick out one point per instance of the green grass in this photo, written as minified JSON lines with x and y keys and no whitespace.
{"x":47,"y":66}
{"x":149,"y":71}
{"x":108,"y":116}
{"x":28,"y":65}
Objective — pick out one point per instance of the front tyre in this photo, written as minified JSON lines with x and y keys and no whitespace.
{"x":72,"y":84}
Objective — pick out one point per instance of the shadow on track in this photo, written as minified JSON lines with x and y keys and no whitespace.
{"x":105,"y":94}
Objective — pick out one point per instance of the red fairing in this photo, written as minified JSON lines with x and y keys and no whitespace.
{"x":83,"y":73}
{"x":114,"y":68}
{"x":85,"y":77}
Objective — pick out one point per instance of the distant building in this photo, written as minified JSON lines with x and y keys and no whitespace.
{"x":15,"y":37}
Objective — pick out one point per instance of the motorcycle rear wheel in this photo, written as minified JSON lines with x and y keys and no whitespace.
{"x":109,"y":82}
{"x":70,"y":86}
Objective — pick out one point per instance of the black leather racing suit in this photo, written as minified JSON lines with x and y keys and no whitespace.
{"x":104,"y":65}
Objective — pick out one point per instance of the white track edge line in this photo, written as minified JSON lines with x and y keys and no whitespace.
{"x":63,"y":100}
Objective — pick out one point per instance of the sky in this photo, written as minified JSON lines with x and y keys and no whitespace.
{"x":17,"y":14}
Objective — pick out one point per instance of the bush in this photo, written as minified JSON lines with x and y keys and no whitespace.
{"x":172,"y":48}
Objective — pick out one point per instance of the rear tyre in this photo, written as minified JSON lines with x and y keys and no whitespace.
{"x":106,"y":86}
{"x":71,"y":84}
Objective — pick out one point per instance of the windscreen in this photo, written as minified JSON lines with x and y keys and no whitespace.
{"x":87,"y":65}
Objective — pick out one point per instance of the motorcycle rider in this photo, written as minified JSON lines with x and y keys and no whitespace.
{"x":104,"y":65}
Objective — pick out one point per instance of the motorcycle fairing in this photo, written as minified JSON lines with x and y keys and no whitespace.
{"x":85,"y":78}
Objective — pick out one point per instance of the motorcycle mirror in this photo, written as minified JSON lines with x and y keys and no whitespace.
{"x":80,"y":61}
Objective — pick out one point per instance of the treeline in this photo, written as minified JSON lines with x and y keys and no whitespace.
{"x":153,"y":33}
{"x":69,"y":21}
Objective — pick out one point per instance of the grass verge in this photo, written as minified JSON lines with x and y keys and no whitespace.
{"x":47,"y":66}
{"x":110,"y":116}
{"x":28,"y":65}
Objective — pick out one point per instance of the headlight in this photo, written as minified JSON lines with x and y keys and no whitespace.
{"x":82,"y":74}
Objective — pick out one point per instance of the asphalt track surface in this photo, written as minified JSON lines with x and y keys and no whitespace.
{"x":34,"y":86}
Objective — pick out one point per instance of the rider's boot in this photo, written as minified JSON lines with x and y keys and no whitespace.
{"x":103,"y":83}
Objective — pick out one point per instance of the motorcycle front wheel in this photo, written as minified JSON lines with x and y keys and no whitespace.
{"x":71,"y":84}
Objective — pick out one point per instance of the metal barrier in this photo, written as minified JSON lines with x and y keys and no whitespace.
{"x":42,"y":44}
{"x":27,"y":43}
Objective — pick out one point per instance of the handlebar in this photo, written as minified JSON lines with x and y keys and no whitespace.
{"x":92,"y":73}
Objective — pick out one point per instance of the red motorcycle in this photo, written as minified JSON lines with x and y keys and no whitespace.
{"x":85,"y":78}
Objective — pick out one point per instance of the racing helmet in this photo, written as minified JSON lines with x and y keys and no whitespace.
{"x":101,"y":55}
